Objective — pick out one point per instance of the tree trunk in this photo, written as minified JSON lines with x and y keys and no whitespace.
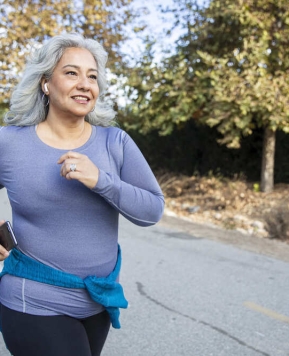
{"x":268,"y":155}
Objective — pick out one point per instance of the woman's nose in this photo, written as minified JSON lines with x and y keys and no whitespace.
{"x":83,"y":83}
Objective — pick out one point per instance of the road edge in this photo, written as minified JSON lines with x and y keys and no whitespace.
{"x":264,"y":246}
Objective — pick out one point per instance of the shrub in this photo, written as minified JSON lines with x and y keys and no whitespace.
{"x":277,"y":222}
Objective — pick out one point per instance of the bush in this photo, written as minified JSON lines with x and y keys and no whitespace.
{"x":277,"y":221}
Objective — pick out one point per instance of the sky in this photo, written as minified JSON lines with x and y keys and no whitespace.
{"x":156,"y":26}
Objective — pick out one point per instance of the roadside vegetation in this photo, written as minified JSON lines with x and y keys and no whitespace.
{"x":228,"y":203}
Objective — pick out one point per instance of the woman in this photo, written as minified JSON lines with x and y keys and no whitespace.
{"x":68,"y":173}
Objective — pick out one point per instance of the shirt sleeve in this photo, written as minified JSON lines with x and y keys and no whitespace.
{"x":135,"y":193}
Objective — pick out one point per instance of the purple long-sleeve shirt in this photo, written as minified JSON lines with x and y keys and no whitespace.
{"x":64,"y":224}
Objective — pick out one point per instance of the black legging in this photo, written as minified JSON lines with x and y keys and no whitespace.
{"x":33,"y":335}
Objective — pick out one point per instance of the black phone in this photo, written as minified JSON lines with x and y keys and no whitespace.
{"x":7,"y":236}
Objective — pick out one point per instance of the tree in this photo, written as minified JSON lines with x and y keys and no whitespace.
{"x":230,"y":71}
{"x":26,"y":24}
{"x":249,"y":81}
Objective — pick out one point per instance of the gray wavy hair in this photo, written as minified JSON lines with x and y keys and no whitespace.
{"x":27,"y":106}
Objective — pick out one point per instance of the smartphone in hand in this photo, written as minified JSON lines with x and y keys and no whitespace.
{"x":7,"y":237}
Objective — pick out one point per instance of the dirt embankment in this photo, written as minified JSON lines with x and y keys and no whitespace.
{"x":230,"y":204}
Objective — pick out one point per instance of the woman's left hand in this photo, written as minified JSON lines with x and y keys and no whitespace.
{"x":80,"y":167}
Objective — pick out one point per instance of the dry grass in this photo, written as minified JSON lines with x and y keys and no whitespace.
{"x":232,"y":204}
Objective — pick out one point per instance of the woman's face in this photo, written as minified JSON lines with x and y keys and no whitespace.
{"x":73,"y":87}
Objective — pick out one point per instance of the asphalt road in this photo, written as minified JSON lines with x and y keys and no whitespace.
{"x":199,"y":291}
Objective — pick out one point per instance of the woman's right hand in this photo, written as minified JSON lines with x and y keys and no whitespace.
{"x":3,"y":252}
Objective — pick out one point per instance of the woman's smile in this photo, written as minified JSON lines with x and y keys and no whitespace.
{"x":81,"y":99}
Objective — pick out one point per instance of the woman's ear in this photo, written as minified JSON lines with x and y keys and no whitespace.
{"x":44,"y":86}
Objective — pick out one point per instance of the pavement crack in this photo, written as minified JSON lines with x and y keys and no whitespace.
{"x":142,"y":292}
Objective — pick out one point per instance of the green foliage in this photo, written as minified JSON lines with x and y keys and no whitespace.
{"x":230,"y":71}
{"x":256,"y":187}
{"x":249,"y":83}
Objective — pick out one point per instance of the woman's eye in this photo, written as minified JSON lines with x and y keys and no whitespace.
{"x":94,"y":77}
{"x":71,"y":72}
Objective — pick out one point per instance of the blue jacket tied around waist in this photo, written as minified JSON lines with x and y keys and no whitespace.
{"x":105,"y":290}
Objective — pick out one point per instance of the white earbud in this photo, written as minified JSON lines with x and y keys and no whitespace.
{"x":45,"y":88}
